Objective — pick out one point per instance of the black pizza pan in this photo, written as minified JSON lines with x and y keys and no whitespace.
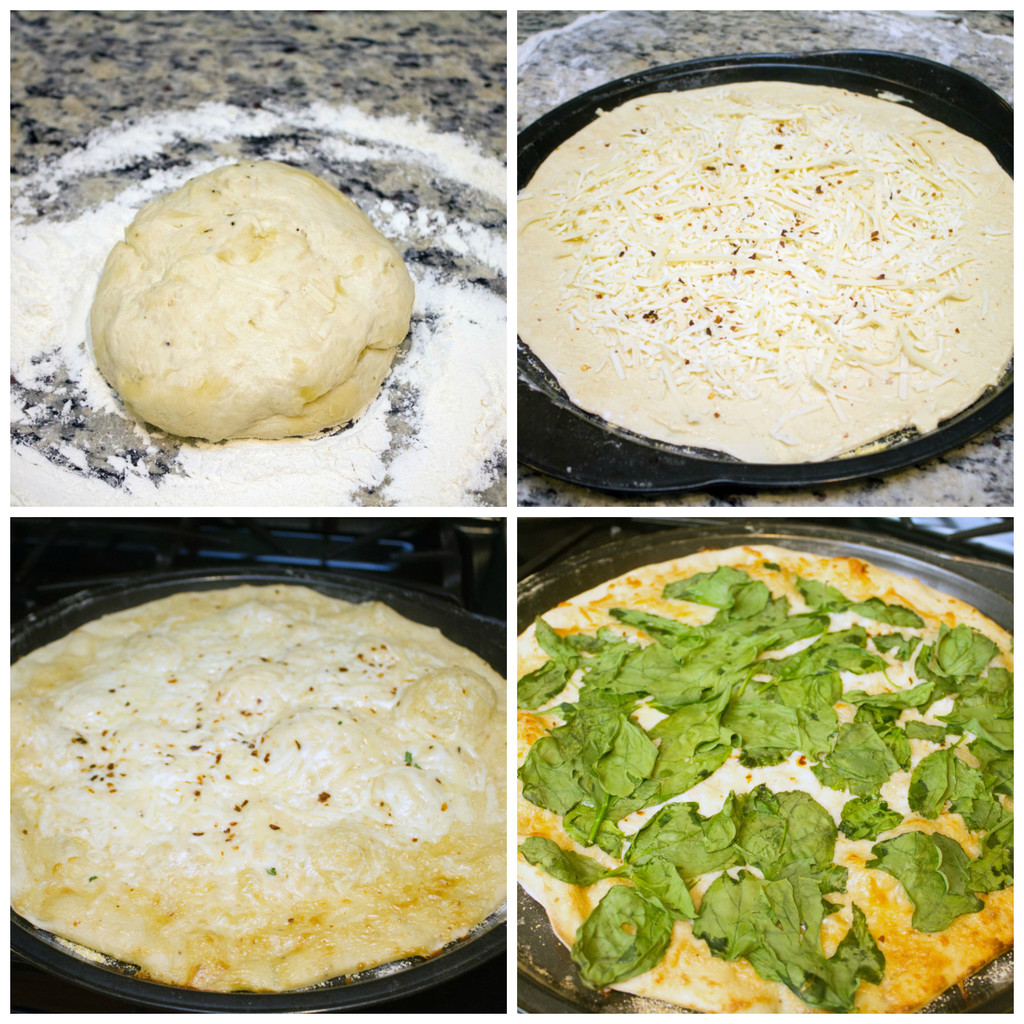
{"x":560,"y":439}
{"x":547,"y":980}
{"x":371,"y":989}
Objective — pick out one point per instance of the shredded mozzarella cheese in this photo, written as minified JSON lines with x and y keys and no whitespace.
{"x":752,"y":247}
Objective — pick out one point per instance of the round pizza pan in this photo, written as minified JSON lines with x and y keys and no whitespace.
{"x":547,"y":980}
{"x":367,"y":990}
{"x":560,"y":439}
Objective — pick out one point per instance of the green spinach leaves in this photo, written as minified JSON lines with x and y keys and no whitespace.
{"x":755,"y":681}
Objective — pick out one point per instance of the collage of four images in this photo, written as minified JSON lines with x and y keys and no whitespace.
{"x":296,"y":499}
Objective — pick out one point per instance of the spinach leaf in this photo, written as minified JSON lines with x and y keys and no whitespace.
{"x":993,"y":869}
{"x":891,"y":614}
{"x":774,"y":628}
{"x":598,"y":755}
{"x":730,"y":916}
{"x":985,"y":707}
{"x":716,"y":655}
{"x":624,"y":936}
{"x":934,"y":871}
{"x":916,"y":697}
{"x":776,"y":925}
{"x":553,"y":644}
{"x":583,"y":825}
{"x":885,"y":720}
{"x":942,"y":778}
{"x":590,"y":825}
{"x":565,"y":865}
{"x":859,"y":761}
{"x":774,"y":720}
{"x":957,"y":654}
{"x":904,"y":645}
{"x":825,"y":597}
{"x":666,"y":631}
{"x":692,"y":745}
{"x":784,"y":834}
{"x":628,"y":761}
{"x":821,"y":597}
{"x":549,"y":773}
{"x":764,"y":730}
{"x":996,"y":765}
{"x":693,"y":844}
{"x":602,"y":670}
{"x":654,"y":670}
{"x":729,"y":589}
{"x":923,"y":731}
{"x":856,"y":958}
{"x":538,"y":687}
{"x":866,"y":817}
{"x":660,"y":882}
{"x":842,"y":651}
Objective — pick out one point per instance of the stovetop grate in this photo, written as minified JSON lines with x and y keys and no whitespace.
{"x":463,"y":559}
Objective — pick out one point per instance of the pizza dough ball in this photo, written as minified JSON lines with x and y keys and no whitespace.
{"x":255,"y":301}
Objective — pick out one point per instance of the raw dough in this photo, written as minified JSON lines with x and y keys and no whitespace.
{"x":255,"y":301}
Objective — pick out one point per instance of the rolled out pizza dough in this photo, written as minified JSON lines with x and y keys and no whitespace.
{"x":255,"y":301}
{"x":779,"y":271}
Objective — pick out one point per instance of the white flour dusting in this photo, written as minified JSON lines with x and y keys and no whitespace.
{"x":436,"y":434}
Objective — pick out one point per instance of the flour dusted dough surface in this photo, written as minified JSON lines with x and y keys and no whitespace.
{"x":258,"y":787}
{"x":778,"y":271}
{"x":255,"y":301}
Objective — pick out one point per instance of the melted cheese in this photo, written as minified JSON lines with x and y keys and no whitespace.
{"x":259,"y":787}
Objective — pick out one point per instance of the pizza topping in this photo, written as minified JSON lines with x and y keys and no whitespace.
{"x":935,"y":872}
{"x":659,"y":707}
{"x":866,"y":817}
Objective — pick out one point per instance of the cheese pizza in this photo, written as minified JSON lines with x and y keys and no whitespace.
{"x":760,"y":780}
{"x":257,"y":788}
{"x":778,"y":271}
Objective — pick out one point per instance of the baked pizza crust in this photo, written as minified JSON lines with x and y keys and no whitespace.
{"x":919,"y":965}
{"x":257,"y":788}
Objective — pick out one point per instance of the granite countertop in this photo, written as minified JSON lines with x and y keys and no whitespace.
{"x":80,"y":81}
{"x":563,"y":54}
{"x":74,"y":71}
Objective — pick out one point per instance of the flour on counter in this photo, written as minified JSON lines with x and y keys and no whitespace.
{"x":435,"y":435}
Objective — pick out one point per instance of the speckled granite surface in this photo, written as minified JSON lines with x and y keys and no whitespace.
{"x":562,"y":54}
{"x":78,"y":78}
{"x":72,"y":72}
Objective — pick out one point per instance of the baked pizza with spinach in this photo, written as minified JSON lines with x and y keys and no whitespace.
{"x":759,"y":780}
